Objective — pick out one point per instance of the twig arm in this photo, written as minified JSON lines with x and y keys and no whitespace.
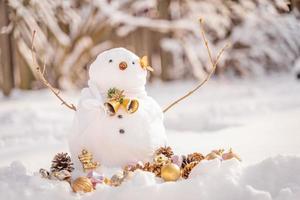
{"x":41,"y":72}
{"x":214,"y":66}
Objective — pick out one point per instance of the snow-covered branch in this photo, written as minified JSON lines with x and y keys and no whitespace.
{"x":71,"y":33}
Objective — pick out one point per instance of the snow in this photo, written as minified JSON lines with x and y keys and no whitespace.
{"x":258,"y":118}
{"x":270,"y":179}
{"x":264,"y":52}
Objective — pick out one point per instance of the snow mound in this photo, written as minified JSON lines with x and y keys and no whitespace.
{"x":274,"y":178}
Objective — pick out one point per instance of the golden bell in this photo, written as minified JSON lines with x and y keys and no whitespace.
{"x":112,"y":107}
{"x":82,"y":184}
{"x":131,"y":106}
{"x":170,"y":172}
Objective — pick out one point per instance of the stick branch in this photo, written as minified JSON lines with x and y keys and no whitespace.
{"x":41,"y":72}
{"x":213,"y":63}
{"x":206,"y":42}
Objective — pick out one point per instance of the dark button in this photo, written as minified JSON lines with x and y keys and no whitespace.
{"x":120,"y":116}
{"x":121,"y":131}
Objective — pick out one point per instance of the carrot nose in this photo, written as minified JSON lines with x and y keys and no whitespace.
{"x":123,"y":65}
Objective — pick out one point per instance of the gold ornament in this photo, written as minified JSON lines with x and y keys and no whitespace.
{"x":82,"y":184}
{"x":161,"y":159}
{"x":170,"y":172}
{"x":188,"y":168}
{"x":230,"y":155}
{"x":116,"y":100}
{"x":106,"y":181}
{"x":144,"y":64}
{"x":86,"y":159}
{"x":132,"y":106}
{"x":112,"y":107}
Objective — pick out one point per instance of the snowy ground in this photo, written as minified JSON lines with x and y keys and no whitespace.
{"x":259,"y":118}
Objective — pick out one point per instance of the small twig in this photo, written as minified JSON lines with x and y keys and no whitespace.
{"x":214,"y":66}
{"x":44,"y":80}
{"x":221,"y":52}
{"x":205,"y":41}
{"x":44,"y":67}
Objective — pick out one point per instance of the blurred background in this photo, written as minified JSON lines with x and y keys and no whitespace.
{"x":251,"y":104}
{"x":264,"y":37}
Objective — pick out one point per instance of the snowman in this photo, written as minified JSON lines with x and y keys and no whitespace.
{"x":115,"y":119}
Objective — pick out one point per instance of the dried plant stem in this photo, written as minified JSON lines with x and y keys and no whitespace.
{"x":213,"y":63}
{"x":41,"y":76}
{"x":205,"y":42}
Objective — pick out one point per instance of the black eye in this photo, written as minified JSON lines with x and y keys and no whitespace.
{"x":133,"y":62}
{"x":110,"y":61}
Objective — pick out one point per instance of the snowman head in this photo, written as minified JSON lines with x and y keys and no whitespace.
{"x":118,"y":68}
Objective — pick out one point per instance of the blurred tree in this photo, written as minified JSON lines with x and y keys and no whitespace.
{"x":296,"y":4}
{"x":6,"y":63}
{"x":163,"y":7}
{"x":71,"y":33}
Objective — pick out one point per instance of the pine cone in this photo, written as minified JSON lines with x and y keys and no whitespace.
{"x":167,"y":151}
{"x":188,"y":168}
{"x":153,"y":167}
{"x":62,"y":161}
{"x":194,"y":157}
{"x":147,"y":167}
{"x":185,"y":161}
{"x":157,"y":169}
{"x":132,"y":168}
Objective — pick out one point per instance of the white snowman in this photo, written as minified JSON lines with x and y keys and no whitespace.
{"x":115,"y":119}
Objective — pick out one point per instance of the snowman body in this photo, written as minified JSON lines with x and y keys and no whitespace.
{"x":125,"y":137}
